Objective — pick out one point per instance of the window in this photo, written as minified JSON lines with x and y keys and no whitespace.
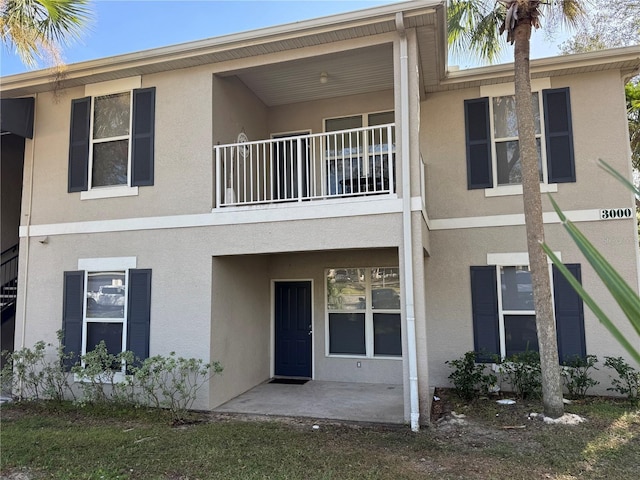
{"x":108,"y":300}
{"x":504,"y":317}
{"x":363,"y":308}
{"x":112,"y":139}
{"x":506,"y":148}
{"x":493,"y":157}
{"x":517,"y":312}
{"x":357,"y":156}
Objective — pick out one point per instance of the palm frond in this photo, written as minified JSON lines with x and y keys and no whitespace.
{"x":626,"y":298}
{"x":473,"y":28}
{"x":36,"y":28}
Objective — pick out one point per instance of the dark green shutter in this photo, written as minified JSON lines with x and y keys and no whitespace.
{"x":484,"y":303}
{"x":139,"y":312}
{"x":79,"y":145}
{"x":569,"y":315}
{"x":559,"y":135}
{"x":73,"y":295}
{"x":143,"y":136}
{"x":478,"y":140}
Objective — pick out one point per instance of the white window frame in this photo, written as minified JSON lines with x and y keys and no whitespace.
{"x":368,"y":318}
{"x":124,"y":85}
{"x":515,"y":259}
{"x":508,"y":89}
{"x":105,"y":264}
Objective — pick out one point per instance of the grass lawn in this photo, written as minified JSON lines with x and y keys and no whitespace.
{"x":492,"y":441}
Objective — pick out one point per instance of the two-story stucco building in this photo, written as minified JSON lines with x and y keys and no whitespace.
{"x":325,"y":200}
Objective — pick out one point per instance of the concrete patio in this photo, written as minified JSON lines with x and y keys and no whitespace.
{"x":360,"y":402}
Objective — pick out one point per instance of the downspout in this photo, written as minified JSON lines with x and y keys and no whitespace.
{"x":405,"y":143}
{"x":25,"y":269}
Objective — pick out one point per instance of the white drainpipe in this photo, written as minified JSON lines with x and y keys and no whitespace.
{"x":406,"y":225}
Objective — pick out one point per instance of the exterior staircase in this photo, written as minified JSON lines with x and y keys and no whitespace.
{"x":9,"y":279}
{"x":8,"y":295}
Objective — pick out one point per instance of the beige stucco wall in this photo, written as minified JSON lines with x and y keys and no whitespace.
{"x":448,"y":286}
{"x":310,"y":115}
{"x":240,"y":324}
{"x":183,"y":155}
{"x":599,"y":131}
{"x":236,"y":109}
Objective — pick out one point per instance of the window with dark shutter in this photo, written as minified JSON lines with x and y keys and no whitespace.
{"x":478,"y":141}
{"x":72,"y":315}
{"x":569,"y":315}
{"x":559,"y":135}
{"x":484,"y":302}
{"x":104,"y":150}
{"x":79,"y":145}
{"x":143,"y":137}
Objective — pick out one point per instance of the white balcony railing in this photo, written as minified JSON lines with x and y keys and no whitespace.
{"x":337,"y":164}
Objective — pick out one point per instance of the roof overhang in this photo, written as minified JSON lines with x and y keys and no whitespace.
{"x":625,"y":59}
{"x":426,"y":15}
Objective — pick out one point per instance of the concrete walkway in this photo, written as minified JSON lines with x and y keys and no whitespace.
{"x":362,"y":402}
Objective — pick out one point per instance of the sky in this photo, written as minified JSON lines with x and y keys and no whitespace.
{"x":126,"y":26}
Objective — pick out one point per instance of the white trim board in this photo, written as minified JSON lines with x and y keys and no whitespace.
{"x":513,"y":258}
{"x":591,"y":215}
{"x":225,"y":216}
{"x":276,"y":213}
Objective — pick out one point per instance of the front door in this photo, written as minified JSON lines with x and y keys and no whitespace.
{"x":293,"y":329}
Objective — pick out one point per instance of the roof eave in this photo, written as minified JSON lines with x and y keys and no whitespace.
{"x":161,"y":59}
{"x":629,"y":57}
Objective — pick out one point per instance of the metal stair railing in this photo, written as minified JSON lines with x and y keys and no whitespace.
{"x":9,"y":277}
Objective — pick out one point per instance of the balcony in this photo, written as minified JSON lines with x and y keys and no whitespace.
{"x":323,"y":166}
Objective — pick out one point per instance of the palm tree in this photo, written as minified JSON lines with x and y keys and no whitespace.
{"x":477,"y":26}
{"x":37,"y":28}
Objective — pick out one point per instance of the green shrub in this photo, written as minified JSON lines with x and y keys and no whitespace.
{"x":172,"y":382}
{"x":98,"y":372}
{"x":576,"y":376}
{"x":628,"y":381}
{"x":522,"y":371}
{"x":469,"y":378}
{"x":31,"y":373}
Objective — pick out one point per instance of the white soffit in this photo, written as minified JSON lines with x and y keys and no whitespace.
{"x":348,"y":72}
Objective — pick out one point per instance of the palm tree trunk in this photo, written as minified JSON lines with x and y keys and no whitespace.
{"x":545,"y":323}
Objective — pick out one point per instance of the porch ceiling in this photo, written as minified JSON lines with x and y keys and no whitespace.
{"x":349,"y":72}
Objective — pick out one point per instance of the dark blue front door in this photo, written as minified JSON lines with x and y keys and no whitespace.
{"x":293,"y":329}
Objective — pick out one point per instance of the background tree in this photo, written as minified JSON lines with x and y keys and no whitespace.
{"x":610,"y":25}
{"x":37,"y":29}
{"x":475,"y":25}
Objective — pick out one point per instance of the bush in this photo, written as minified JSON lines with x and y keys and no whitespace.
{"x":469,"y":378}
{"x":576,"y":376}
{"x":167,"y":382}
{"x":30,"y":375}
{"x":172,"y":382}
{"x":522,"y":371}
{"x":628,"y":381}
{"x":98,"y":372}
